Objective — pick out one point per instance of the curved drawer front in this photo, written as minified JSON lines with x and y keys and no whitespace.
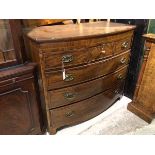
{"x":122,"y":45}
{"x":84,"y":110}
{"x":71,"y":76}
{"x":65,"y":96}
{"x":76,"y":56}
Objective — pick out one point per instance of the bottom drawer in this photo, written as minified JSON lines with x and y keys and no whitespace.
{"x":84,"y":110}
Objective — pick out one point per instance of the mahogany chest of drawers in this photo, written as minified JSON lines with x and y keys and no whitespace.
{"x":82,"y":69}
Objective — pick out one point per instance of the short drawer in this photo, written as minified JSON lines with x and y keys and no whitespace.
{"x":84,"y":110}
{"x":71,"y":76}
{"x":65,"y":96}
{"x":122,"y":45}
{"x":76,"y":56}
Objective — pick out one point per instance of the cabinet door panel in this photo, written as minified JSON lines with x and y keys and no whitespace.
{"x":20,"y":112}
{"x":15,"y":112}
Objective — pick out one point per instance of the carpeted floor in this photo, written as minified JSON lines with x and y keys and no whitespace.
{"x":117,"y":120}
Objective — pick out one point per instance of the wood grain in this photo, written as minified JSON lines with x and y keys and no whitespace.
{"x":144,"y":101}
{"x":54,"y":79}
{"x":84,"y":110}
{"x":98,"y":58}
{"x":19,"y":103}
{"x":73,"y":31}
{"x":85,"y":90}
{"x":79,"y":56}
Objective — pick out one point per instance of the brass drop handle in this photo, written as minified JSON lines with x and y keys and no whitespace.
{"x":67,"y":58}
{"x":68,"y":77}
{"x":124,"y":45}
{"x":69,"y":114}
{"x":123,"y":60}
{"x":69,"y":95}
{"x":119,"y":77}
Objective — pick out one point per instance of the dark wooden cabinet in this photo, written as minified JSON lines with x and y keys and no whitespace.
{"x":20,"y":111}
{"x":19,"y":104}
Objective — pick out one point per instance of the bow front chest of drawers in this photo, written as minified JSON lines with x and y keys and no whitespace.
{"x":82,"y":69}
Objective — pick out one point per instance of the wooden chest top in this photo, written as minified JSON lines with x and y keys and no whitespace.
{"x":75,"y":32}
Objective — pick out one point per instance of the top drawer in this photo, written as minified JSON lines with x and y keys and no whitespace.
{"x":84,"y":51}
{"x":76,"y":56}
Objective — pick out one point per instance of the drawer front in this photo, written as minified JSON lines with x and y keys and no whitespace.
{"x":65,"y":96}
{"x":122,"y":45}
{"x":84,"y":110}
{"x":54,"y":60}
{"x":71,"y":76}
